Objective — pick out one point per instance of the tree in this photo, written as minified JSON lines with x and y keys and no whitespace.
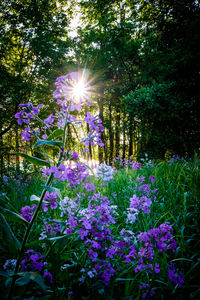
{"x":34,"y":43}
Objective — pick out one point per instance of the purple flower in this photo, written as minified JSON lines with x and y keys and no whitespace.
{"x":157,"y":269}
{"x":75,"y":155}
{"x":50,"y":229}
{"x":19,"y":116}
{"x":33,"y":261}
{"x":27,"y":113}
{"x":48,"y":277}
{"x":174,"y":276}
{"x":26,"y":134}
{"x":92,"y":255}
{"x":72,"y":86}
{"x":152,"y":178}
{"x":90,"y":187}
{"x":50,"y":199}
{"x":27,"y":212}
{"x":136,"y":165}
{"x":49,"y":120}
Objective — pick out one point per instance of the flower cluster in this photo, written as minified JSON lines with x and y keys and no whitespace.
{"x":27,"y":212}
{"x":92,"y":227}
{"x":136,"y":165}
{"x":123,"y":163}
{"x":146,"y":161}
{"x":141,"y":199}
{"x":74,"y":174}
{"x":71,"y":87}
{"x":9,"y":265}
{"x":50,"y":200}
{"x":35,"y":262}
{"x":69,"y":207}
{"x":104,"y":172}
{"x":96,"y":127}
{"x":160,"y":237}
{"x":175,"y":276}
{"x":175,"y":158}
{"x":27,"y":113}
{"x":50,"y":229}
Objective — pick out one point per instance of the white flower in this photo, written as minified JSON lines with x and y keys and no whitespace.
{"x":131,"y":215}
{"x":104,"y":172}
{"x":10,"y":265}
{"x":68,"y":206}
{"x":90,"y":274}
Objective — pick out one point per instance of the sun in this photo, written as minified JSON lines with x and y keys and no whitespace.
{"x":80,"y":90}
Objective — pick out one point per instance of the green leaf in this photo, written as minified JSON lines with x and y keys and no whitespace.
{"x":13,"y":214}
{"x":34,"y":198}
{"x":56,"y":238}
{"x":33,"y":160}
{"x":4,"y":274}
{"x":9,"y":235}
{"x":38,"y":279}
{"x":26,"y":277}
{"x":23,"y":280}
{"x":55,"y":133}
{"x":49,"y":143}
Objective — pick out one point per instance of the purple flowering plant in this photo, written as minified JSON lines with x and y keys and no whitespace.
{"x":84,"y":240}
{"x":71,"y":93}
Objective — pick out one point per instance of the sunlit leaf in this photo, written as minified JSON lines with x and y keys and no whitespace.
{"x":16,"y":216}
{"x":54,"y":134}
{"x":48,"y":143}
{"x":33,"y":160}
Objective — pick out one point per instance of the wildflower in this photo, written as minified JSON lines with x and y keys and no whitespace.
{"x":152,"y":178}
{"x":27,"y":113}
{"x":75,"y":155}
{"x":49,"y":120}
{"x":9,"y":265}
{"x":48,"y":277}
{"x":68,"y":206}
{"x":174,"y":276}
{"x":26,"y":134}
{"x":71,"y":87}
{"x":50,"y":229}
{"x":50,"y":199}
{"x":27,"y":212}
{"x":136,"y":165}
{"x":105,"y":172}
{"x":33,"y":261}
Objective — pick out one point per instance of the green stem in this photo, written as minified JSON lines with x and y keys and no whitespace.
{"x":65,"y":126}
{"x":53,"y":244}
{"x":27,"y":235}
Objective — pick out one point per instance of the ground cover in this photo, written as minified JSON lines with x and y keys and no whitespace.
{"x":135,"y":236}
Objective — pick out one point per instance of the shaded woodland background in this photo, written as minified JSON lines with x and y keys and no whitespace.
{"x":142,"y":57}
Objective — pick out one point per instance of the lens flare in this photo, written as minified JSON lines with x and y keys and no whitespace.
{"x":79,"y":90}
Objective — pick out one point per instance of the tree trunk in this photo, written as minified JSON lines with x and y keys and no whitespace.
{"x":110,"y":135}
{"x":130,"y":135}
{"x":117,"y":133}
{"x":17,"y":148}
{"x":90,"y":147}
{"x":1,"y":155}
{"x":100,"y":104}
{"x":124,"y":137}
{"x":105,"y":148}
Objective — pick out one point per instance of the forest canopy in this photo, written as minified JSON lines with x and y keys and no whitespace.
{"x":141,"y":56}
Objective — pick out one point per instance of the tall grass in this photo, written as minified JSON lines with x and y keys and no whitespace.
{"x":177,"y":202}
